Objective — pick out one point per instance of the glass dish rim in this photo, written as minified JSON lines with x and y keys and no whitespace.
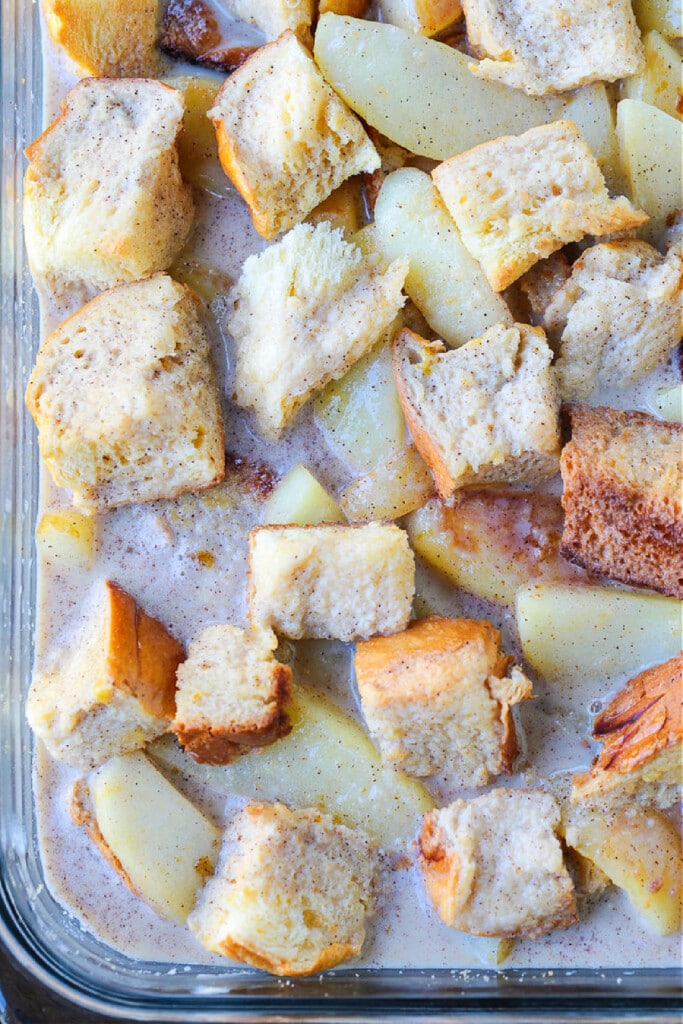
{"x":349,"y":994}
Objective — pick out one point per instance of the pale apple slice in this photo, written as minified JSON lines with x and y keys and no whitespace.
{"x":161,"y":844}
{"x":393,"y":489}
{"x":651,"y":152}
{"x":664,"y":15}
{"x":661,"y":81}
{"x":197,"y":145}
{"x":668,"y":404}
{"x":327,"y":761}
{"x":300,"y":499}
{"x":66,"y":538}
{"x":573,"y":633}
{"x":640,"y":851}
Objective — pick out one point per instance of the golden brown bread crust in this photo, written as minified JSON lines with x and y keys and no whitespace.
{"x":142,"y":656}
{"x":347,"y":8}
{"x":329,"y":957}
{"x":623,"y":497}
{"x":641,"y":729}
{"x":107,"y":39}
{"x":208,"y":745}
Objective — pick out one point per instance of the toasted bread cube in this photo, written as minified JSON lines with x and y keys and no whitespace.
{"x":285,"y":138}
{"x":104,"y":201}
{"x":301,"y":314}
{"x":107,"y":38}
{"x":487,"y":412}
{"x":548,"y":46}
{"x":124,"y":398}
{"x":439,"y":694}
{"x":617,"y":316}
{"x":113,"y":691}
{"x":428,"y":17}
{"x":336,"y":582}
{"x":347,"y":8}
{"x":520,"y":198}
{"x":291,"y":894}
{"x":641,"y":731}
{"x":493,"y":865}
{"x":273,"y":17}
{"x":623,"y":497}
{"x":230,"y":695}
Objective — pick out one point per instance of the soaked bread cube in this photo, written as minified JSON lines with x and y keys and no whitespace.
{"x":548,"y":46}
{"x":487,"y":412}
{"x":335,"y":582}
{"x":285,"y":138}
{"x":104,"y":201}
{"x":291,"y":894}
{"x":107,"y":38}
{"x":622,"y":475}
{"x":230,"y":695}
{"x":124,"y":398}
{"x":494,"y":866}
{"x":113,"y":690}
{"x":519,"y":198}
{"x":641,"y":731}
{"x":301,"y":314}
{"x":274,"y":17}
{"x":439,"y":695}
{"x":619,"y":315}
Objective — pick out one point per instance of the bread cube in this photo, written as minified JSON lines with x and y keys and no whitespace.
{"x":230,"y":695}
{"x":104,"y":201}
{"x":439,"y":694}
{"x":519,"y":198}
{"x":301,"y":314}
{"x":285,"y":138}
{"x":273,"y":17}
{"x":641,"y":730}
{"x":335,"y":582}
{"x":428,"y":17}
{"x":493,"y":865}
{"x":487,"y":412}
{"x":291,"y":894}
{"x":124,"y":398}
{"x":110,"y":692}
{"x":623,"y":497}
{"x":107,"y":38}
{"x":616,"y":318}
{"x":548,"y":46}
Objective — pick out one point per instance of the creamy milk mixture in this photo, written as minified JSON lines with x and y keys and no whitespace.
{"x":157,"y":552}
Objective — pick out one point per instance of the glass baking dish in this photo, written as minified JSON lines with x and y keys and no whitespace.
{"x":48,"y":943}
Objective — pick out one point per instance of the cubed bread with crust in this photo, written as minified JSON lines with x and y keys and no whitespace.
{"x":623,"y":497}
{"x":124,"y":398}
{"x":519,"y":198}
{"x":641,"y":730}
{"x":487,"y":412}
{"x":428,"y":17}
{"x":104,"y":201}
{"x":548,"y":46}
{"x":285,"y":139}
{"x":107,"y":38}
{"x":334,"y":582}
{"x":439,"y":695}
{"x":230,"y":694}
{"x":619,"y":315}
{"x":494,"y":866}
{"x":273,"y":17}
{"x":301,"y":314}
{"x":291,"y":894}
{"x":113,"y":690}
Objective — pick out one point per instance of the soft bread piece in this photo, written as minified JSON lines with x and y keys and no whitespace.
{"x":487,"y":412}
{"x":124,"y":398}
{"x":623,"y":497}
{"x":107,"y":38}
{"x":273,"y":17}
{"x":493,"y":865}
{"x":291,"y":893}
{"x":542,"y":282}
{"x":519,"y":198}
{"x":336,"y":582}
{"x":547,"y":46}
{"x":617,"y":317}
{"x":439,"y":694}
{"x":230,"y":695}
{"x":285,"y":138}
{"x":113,"y":691}
{"x":301,"y":314}
{"x":641,"y":731}
{"x":104,"y":201}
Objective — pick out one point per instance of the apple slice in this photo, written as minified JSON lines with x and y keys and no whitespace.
{"x":161,"y":844}
{"x":66,"y":537}
{"x":651,"y":149}
{"x":301,"y":500}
